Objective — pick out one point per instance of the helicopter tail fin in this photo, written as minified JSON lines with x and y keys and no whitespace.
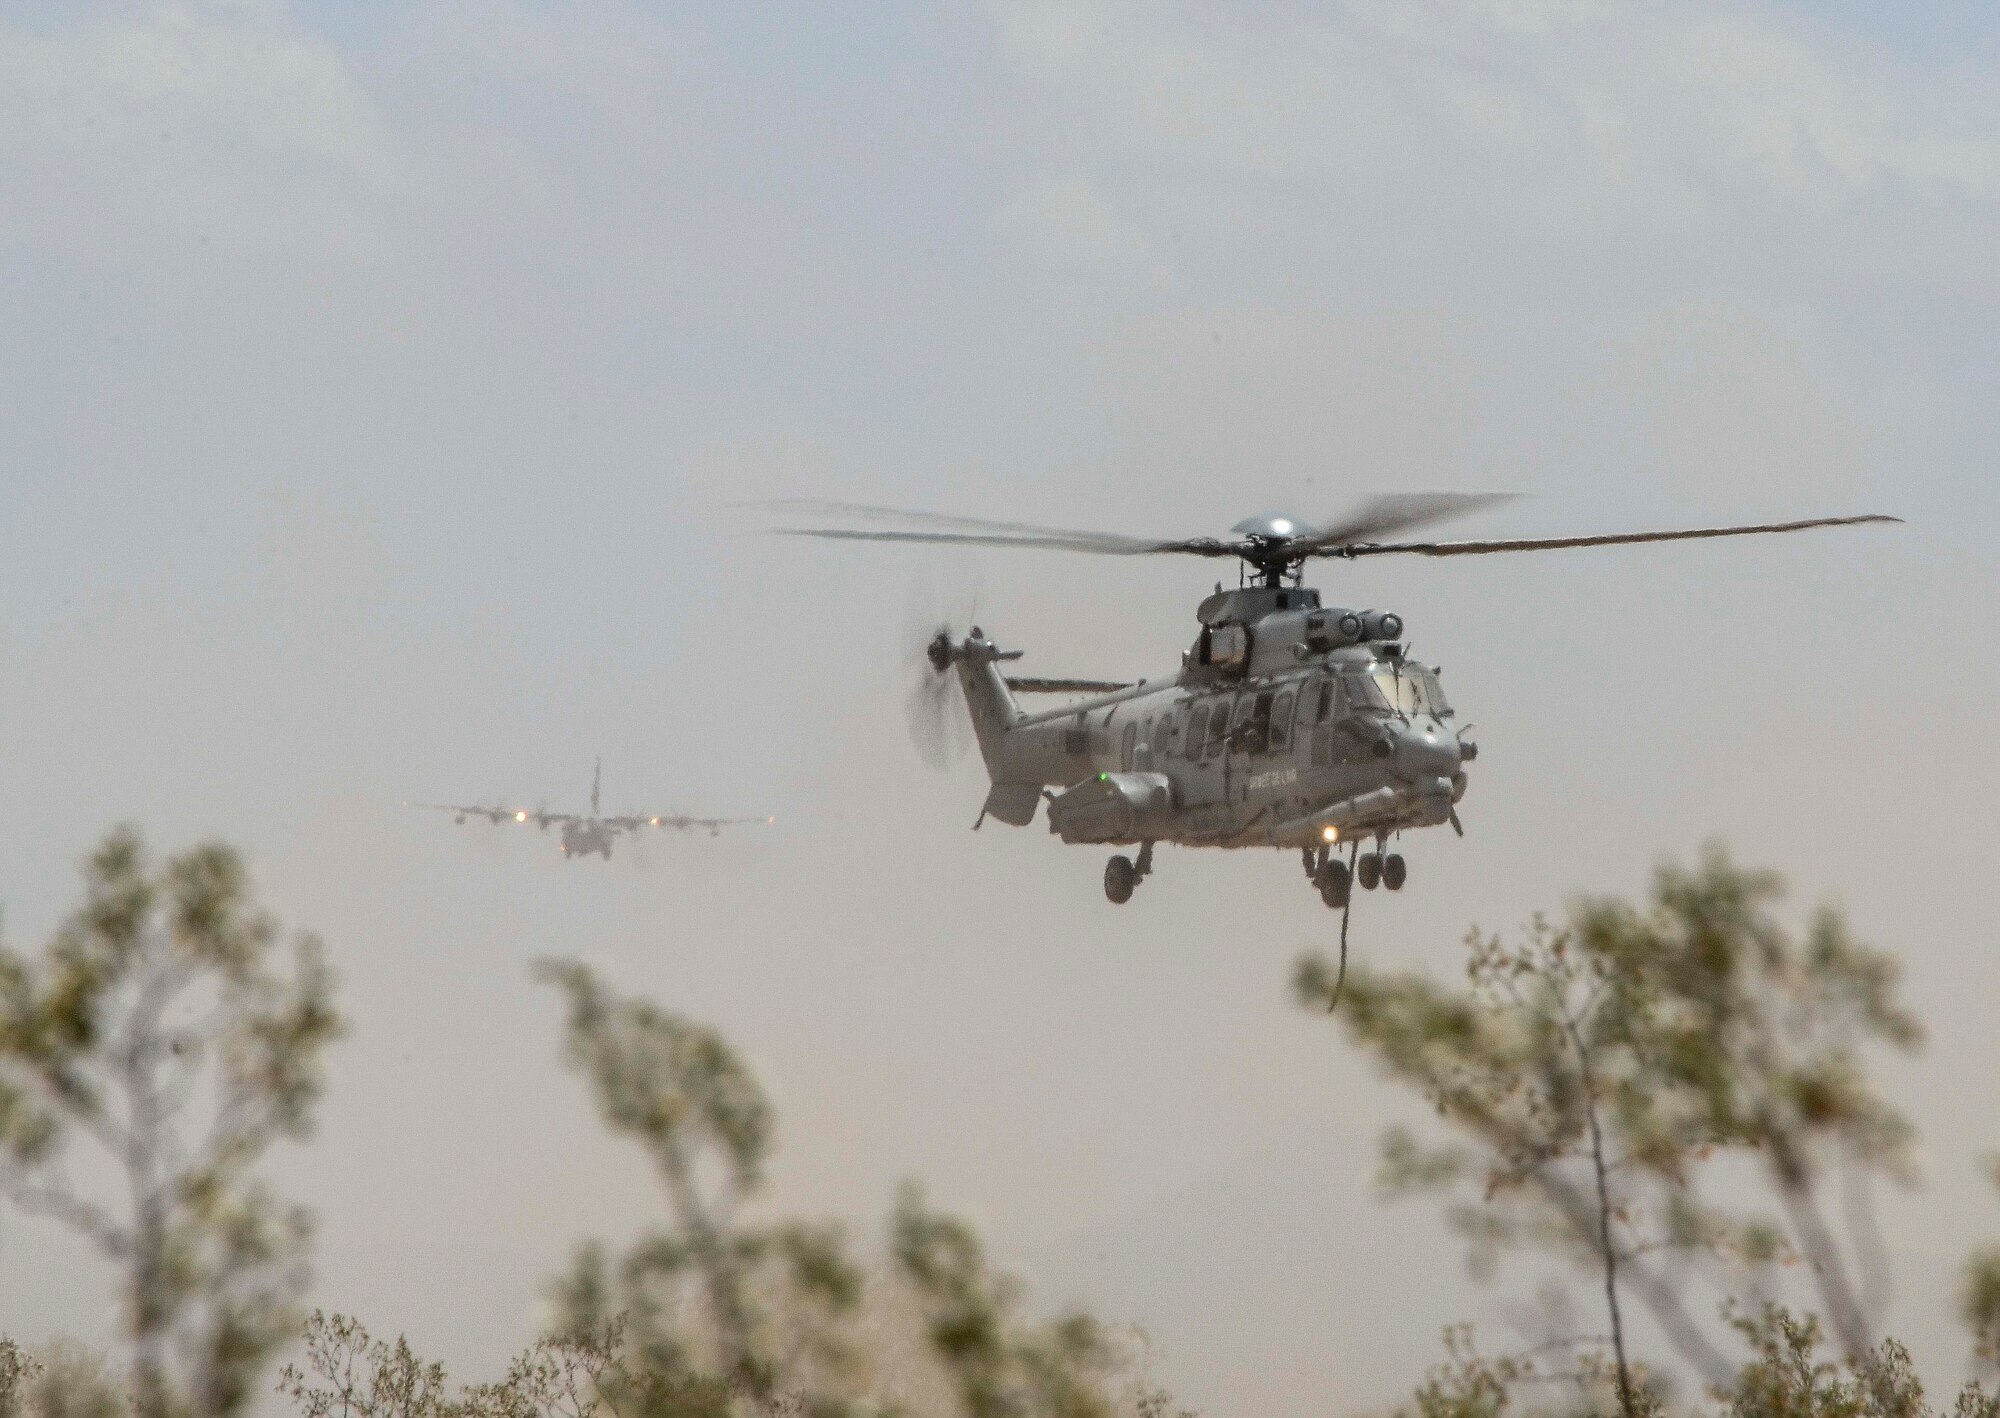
{"x":988,"y":699}
{"x":987,"y":695}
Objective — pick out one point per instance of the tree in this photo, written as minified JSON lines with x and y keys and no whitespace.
{"x":680,"y":1091}
{"x":157,"y":1027}
{"x":1789,"y":1376}
{"x":1589,"y":1075}
{"x":1979,"y":1301}
{"x":1001,"y":1366}
{"x":716,"y":1315}
{"x":350,"y":1374}
{"x":17,"y":1371}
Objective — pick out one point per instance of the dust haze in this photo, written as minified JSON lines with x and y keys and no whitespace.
{"x":375,"y":380}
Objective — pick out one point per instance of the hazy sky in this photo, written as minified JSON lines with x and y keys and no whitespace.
{"x":375,"y":376}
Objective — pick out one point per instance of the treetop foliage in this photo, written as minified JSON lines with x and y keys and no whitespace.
{"x":158,"y":1027}
{"x":1588,"y":1081}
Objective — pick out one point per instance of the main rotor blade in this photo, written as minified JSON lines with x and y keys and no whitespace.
{"x":820,"y":507}
{"x":1098,"y":543}
{"x":1398,"y":512}
{"x":1480,"y":548}
{"x":977,"y":531}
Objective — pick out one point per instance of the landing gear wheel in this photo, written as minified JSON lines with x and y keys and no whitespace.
{"x":1395,"y":871}
{"x":1369,"y":871}
{"x":1335,"y":885}
{"x":1120,"y":876}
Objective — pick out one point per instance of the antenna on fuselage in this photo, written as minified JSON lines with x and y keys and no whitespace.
{"x":596,"y":773}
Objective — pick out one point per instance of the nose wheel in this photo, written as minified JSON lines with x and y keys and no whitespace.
{"x":1122,"y":875}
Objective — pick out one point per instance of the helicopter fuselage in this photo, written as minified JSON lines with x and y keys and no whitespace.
{"x":1289,"y":725}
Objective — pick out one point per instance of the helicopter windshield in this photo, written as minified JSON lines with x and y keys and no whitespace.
{"x":1406,"y":690}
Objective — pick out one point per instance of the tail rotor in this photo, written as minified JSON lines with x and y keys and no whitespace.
{"x":934,"y":703}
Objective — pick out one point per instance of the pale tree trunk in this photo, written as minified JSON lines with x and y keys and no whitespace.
{"x":1607,"y":1248}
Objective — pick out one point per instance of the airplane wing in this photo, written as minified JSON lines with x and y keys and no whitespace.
{"x":683,"y":822}
{"x":492,"y":813}
{"x":498,"y":812}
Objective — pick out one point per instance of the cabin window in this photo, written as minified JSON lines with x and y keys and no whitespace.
{"x":1322,"y":746}
{"x":1243,"y":725}
{"x":1126,"y":746}
{"x":1281,"y":721}
{"x":1228,"y":646}
{"x":1197,"y":730}
{"x":1218,"y":726}
{"x":1256,"y":735}
{"x":1323,"y":705}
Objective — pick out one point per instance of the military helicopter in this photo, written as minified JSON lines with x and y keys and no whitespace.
{"x":1290,"y":724}
{"x":585,"y":834}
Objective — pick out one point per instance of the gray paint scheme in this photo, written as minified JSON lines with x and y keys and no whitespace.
{"x":1324,"y":732}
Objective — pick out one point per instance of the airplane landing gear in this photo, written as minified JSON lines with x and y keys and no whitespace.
{"x":1122,"y":875}
{"x":1394,"y":871}
{"x":1369,"y":871}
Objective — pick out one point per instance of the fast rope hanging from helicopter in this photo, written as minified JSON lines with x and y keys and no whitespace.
{"x":1346,"y":910}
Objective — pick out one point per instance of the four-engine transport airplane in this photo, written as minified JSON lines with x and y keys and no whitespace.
{"x":584,"y":833}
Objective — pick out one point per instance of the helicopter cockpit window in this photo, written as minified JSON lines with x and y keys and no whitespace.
{"x":1197,"y":730}
{"x":1362,"y":693}
{"x":1411,"y":691}
{"x":1281,"y":722}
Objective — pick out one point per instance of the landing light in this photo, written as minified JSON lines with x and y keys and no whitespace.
{"x":520,"y":817}
{"x":656,"y":822}
{"x":1330,"y":834}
